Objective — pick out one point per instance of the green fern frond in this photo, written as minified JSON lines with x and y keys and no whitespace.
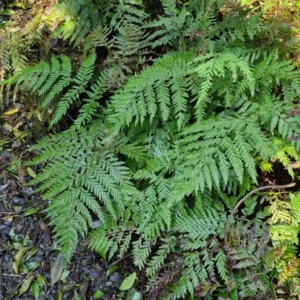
{"x":221,"y":264}
{"x":210,"y":151}
{"x":111,"y":238}
{"x":153,"y":89}
{"x":59,"y":85}
{"x":211,"y":66}
{"x":53,"y":76}
{"x":141,"y":252}
{"x":82,"y":78}
{"x":78,"y":19}
{"x":192,"y":276}
{"x":158,"y":259}
{"x":51,"y":81}
{"x":201,"y":225}
{"x":90,"y":179}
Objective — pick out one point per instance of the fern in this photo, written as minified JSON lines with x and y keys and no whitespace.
{"x":94,"y":181}
{"x":82,"y":78}
{"x":169,"y":26}
{"x":51,"y":81}
{"x":163,"y":146}
{"x":153,"y":89}
{"x":78,"y":19}
{"x":284,"y":230}
{"x":224,"y":153}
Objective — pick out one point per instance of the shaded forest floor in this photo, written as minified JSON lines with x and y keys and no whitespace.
{"x":30,"y":262}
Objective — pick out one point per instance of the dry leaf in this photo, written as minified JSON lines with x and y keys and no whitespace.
{"x":57,"y":269}
{"x":21,"y":174}
{"x":26,"y":284}
{"x":46,"y":232}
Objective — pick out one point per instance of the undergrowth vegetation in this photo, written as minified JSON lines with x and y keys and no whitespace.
{"x":176,"y":110}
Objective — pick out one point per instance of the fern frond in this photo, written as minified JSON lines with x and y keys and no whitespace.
{"x":201,"y":225}
{"x":58,"y":86}
{"x":212,"y":150}
{"x":221,"y":264}
{"x":83,"y":77}
{"x":77,"y":18}
{"x":91,"y":178}
{"x":153,"y":89}
{"x":211,"y":66}
{"x":158,"y":259}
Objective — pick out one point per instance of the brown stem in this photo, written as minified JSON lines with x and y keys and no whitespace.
{"x":266,"y":187}
{"x":119,"y":260}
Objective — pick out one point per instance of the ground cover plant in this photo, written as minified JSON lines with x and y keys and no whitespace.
{"x":171,"y":112}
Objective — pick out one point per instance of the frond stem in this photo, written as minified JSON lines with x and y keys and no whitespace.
{"x":266,"y":187}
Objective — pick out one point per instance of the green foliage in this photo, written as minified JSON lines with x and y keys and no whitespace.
{"x":284,"y":230}
{"x":21,"y":38}
{"x":77,"y":18}
{"x":55,"y":81}
{"x":95,"y":180}
{"x":162,"y":146}
{"x":149,"y":95}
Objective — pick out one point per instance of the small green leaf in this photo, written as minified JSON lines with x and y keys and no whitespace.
{"x":30,"y":172}
{"x":32,"y":252}
{"x":18,"y":258}
{"x":26,"y":240}
{"x":30,"y":211}
{"x":35,"y":290}
{"x":128,"y":282}
{"x":111,"y":270}
{"x":7,"y":12}
{"x":17,"y":245}
{"x":41,"y":280}
{"x":32,"y":265}
{"x":64,"y":274}
{"x":24,"y":270}
{"x":68,"y":286}
{"x":98,"y":294}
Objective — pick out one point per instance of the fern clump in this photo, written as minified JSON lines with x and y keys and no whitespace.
{"x":162,"y":156}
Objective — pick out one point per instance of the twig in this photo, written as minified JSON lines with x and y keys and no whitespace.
{"x":118,"y":260}
{"x":11,"y":275}
{"x":266,"y":187}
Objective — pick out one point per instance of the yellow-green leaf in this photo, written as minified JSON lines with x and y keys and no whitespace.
{"x":18,"y":258}
{"x":98,"y":294}
{"x":128,"y":282}
{"x":30,"y":211}
{"x":11,"y":111}
{"x":30,"y":172}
